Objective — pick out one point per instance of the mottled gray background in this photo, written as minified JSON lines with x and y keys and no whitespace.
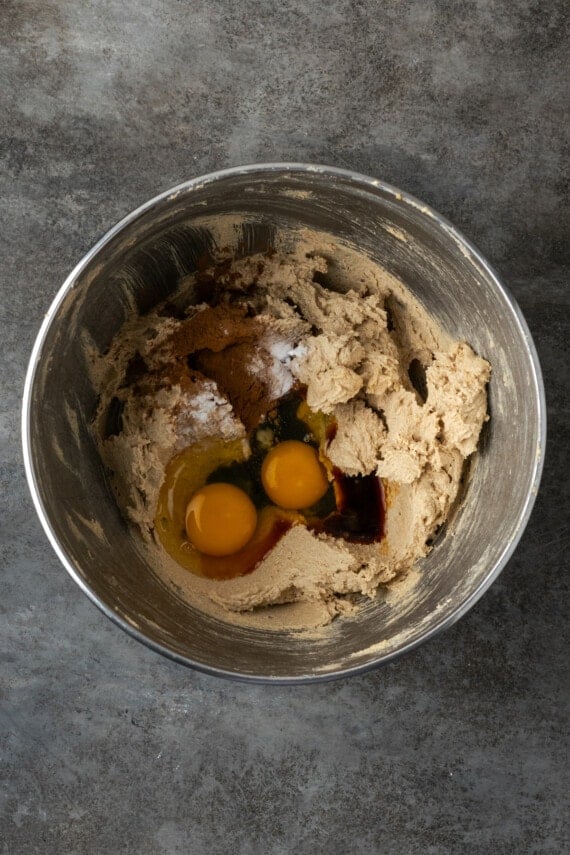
{"x":459,"y":747}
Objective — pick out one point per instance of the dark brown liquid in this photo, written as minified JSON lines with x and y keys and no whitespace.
{"x":360,"y":509}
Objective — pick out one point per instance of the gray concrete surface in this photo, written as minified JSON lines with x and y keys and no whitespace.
{"x":461,"y":747}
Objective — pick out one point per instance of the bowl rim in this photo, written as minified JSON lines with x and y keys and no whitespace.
{"x":468,"y":249}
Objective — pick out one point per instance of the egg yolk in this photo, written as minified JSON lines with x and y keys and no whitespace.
{"x":292,"y":475}
{"x":220,"y":519}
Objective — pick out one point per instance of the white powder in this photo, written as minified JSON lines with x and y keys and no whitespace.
{"x":204,"y":405}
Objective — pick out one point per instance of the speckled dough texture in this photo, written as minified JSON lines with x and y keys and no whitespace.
{"x":408,"y":403}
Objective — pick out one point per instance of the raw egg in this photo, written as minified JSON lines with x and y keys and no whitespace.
{"x":185,"y":476}
{"x":293,"y":476}
{"x":220,"y":519}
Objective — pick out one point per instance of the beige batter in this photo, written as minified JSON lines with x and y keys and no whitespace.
{"x":351,"y":344}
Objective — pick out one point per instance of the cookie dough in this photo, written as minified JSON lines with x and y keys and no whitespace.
{"x":408,"y":402}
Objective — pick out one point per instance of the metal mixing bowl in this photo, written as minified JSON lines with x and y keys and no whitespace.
{"x":138,"y":263}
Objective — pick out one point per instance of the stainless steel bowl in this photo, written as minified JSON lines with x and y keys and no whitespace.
{"x":138,"y":263}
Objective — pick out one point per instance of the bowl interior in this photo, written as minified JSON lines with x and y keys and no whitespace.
{"x":137,"y":265}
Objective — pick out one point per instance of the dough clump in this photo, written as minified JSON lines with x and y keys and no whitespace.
{"x":408,"y":403}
